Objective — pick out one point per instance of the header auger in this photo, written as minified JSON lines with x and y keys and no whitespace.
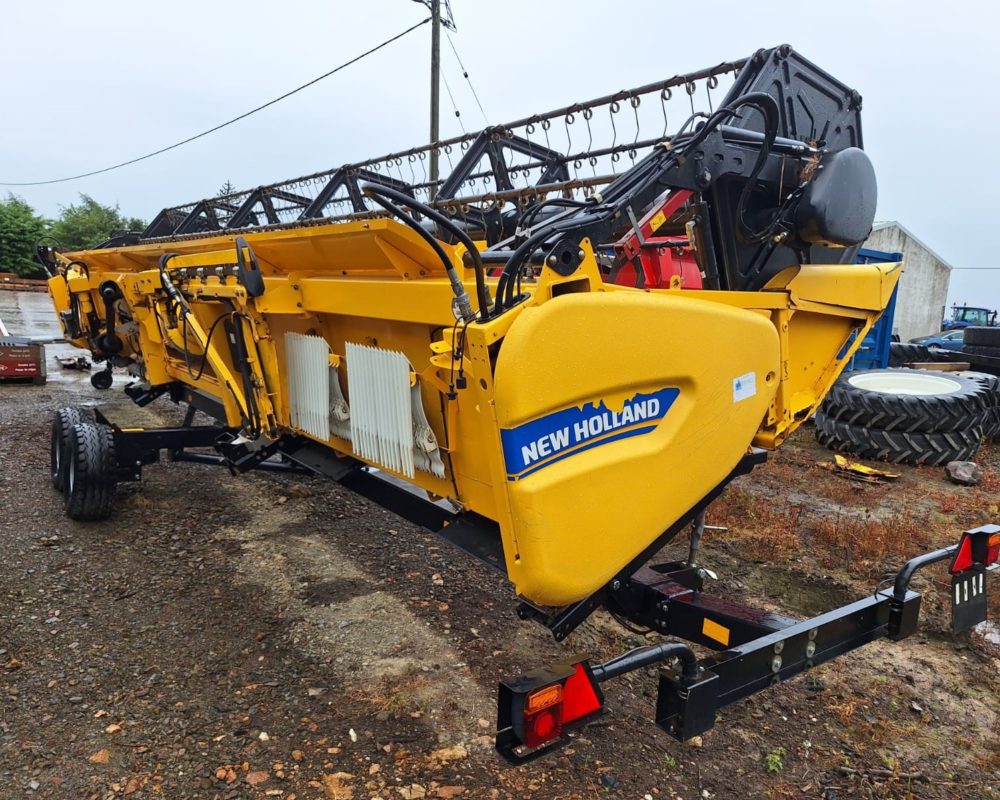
{"x":515,"y":339}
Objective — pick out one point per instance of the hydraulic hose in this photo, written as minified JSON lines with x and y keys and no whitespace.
{"x":505,"y":287}
{"x":482,"y":296}
{"x":461,"y":296}
{"x":759,"y":100}
{"x":168,"y":286}
{"x":647,"y":656}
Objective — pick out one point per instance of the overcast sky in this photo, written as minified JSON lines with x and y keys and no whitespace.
{"x":91,"y":84}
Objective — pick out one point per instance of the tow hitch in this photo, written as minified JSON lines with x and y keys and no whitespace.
{"x":754,"y":649}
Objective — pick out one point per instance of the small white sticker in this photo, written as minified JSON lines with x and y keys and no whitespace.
{"x":744,"y":386}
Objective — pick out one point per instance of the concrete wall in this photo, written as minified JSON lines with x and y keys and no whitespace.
{"x":923,"y":289}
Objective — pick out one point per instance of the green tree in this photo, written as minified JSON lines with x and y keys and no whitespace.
{"x":89,"y":223}
{"x":20,"y":229}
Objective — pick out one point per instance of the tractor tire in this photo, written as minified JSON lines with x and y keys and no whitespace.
{"x":64,"y":419}
{"x":90,"y":472}
{"x":980,"y":350}
{"x":982,"y":337}
{"x":903,"y":353}
{"x":906,"y":447}
{"x":992,"y":383}
{"x":910,"y":400}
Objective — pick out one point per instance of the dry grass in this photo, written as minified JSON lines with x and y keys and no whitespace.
{"x":766,"y":532}
{"x":864,"y":541}
{"x":869,"y":544}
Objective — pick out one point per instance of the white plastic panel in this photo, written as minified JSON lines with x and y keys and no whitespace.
{"x":309,"y":383}
{"x":388,"y":424}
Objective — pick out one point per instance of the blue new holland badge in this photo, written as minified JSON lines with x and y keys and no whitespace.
{"x":561,"y":434}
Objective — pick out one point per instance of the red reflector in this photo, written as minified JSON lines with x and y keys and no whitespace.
{"x":542,"y":726}
{"x":963,"y":558}
{"x":579,"y":698}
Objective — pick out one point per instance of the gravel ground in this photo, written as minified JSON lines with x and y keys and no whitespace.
{"x":262,"y":636}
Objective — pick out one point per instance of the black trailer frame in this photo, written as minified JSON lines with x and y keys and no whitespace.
{"x":753,"y":649}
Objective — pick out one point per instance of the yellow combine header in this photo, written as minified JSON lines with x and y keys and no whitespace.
{"x":561,"y":402}
{"x":548,"y":419}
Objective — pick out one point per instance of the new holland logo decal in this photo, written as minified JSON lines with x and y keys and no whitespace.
{"x":561,"y":434}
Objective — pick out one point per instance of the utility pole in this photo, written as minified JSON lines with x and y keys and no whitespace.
{"x":435,"y":86}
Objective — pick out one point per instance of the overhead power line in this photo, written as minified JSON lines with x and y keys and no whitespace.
{"x":224,"y":124}
{"x":465,"y":74}
{"x":447,"y":18}
{"x":458,"y":114}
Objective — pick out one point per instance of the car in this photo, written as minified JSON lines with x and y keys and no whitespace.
{"x":950,"y":340}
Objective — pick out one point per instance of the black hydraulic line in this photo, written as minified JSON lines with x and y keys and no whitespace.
{"x":251,"y":413}
{"x":505,"y":286}
{"x":208,"y":341}
{"x":241,"y":358}
{"x":464,"y":306}
{"x":644,"y":174}
{"x":767,"y":106}
{"x":565,"y":202}
{"x":645,"y":657}
{"x":81,"y":264}
{"x":373,"y":189}
{"x":172,"y":291}
{"x":905,"y":575}
{"x":40,"y":251}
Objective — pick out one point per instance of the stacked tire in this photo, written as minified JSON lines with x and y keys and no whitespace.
{"x":83,"y":465}
{"x":903,"y":353}
{"x":910,"y":416}
{"x":991,"y":430}
{"x":982,"y":341}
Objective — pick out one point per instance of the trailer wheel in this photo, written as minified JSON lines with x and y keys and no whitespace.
{"x":90,"y":472}
{"x":907,"y":447}
{"x":982,"y":337}
{"x":903,"y":353}
{"x":64,"y":419}
{"x":910,"y":400}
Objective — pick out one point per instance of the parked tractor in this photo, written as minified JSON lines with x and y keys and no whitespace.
{"x":967,"y":316}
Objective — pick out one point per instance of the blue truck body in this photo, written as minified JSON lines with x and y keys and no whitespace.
{"x":874,"y":350}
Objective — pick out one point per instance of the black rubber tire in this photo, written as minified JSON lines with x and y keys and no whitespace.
{"x":903,"y":353}
{"x":904,"y":447}
{"x":975,"y":349}
{"x":982,"y":337}
{"x":90,"y":472}
{"x":102,"y":380}
{"x":971,"y":406}
{"x":64,"y":419}
{"x":992,"y":383}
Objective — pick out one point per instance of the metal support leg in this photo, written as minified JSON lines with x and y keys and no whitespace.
{"x":697,"y":529}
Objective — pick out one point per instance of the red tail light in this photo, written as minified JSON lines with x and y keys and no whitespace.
{"x":536,"y":710}
{"x":978,"y":546}
{"x":580,"y":698}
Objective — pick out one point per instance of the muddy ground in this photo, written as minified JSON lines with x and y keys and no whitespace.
{"x":262,"y":636}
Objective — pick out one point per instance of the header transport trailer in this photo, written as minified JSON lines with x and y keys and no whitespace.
{"x":515,"y":341}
